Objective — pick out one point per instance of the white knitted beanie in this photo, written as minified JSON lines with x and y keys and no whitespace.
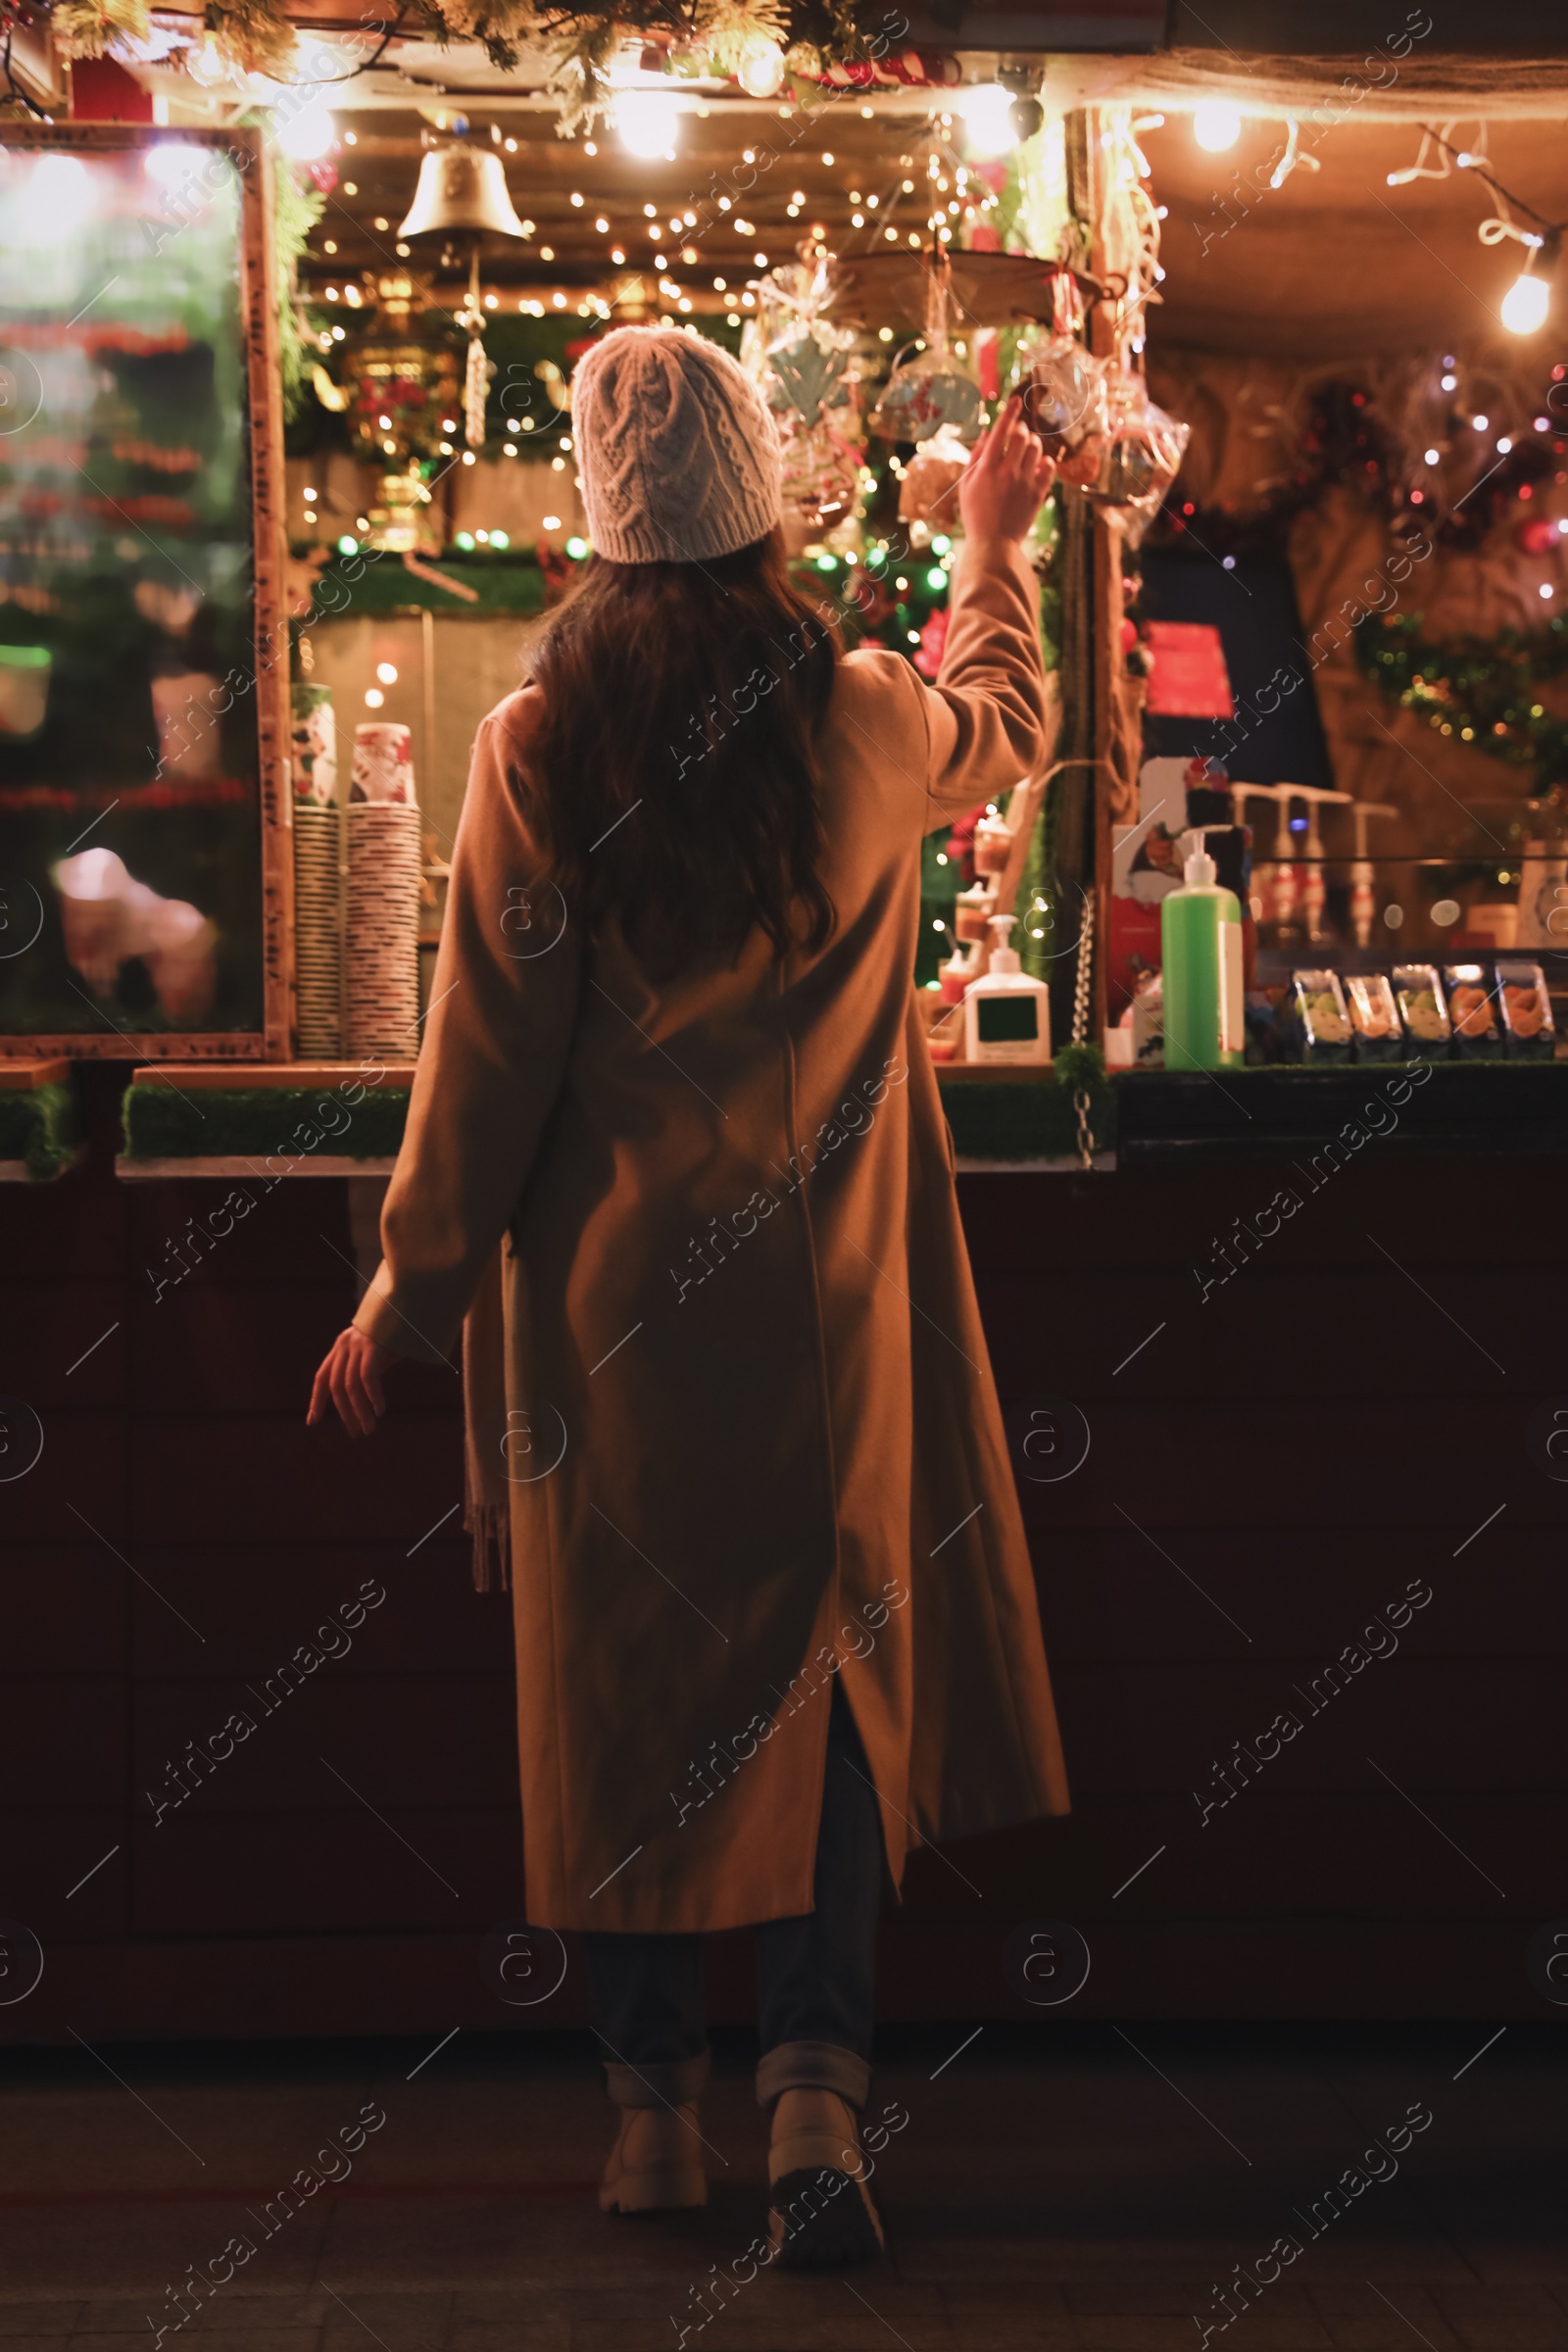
{"x":678,"y":455}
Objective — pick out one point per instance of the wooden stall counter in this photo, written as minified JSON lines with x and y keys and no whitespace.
{"x":287,"y":1118}
{"x":347,"y":1118}
{"x":37,"y":1121}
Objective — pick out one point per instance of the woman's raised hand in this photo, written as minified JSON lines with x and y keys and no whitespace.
{"x":350,"y":1377}
{"x":1002,"y":486}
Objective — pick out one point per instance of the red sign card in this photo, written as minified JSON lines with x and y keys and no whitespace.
{"x":1189,"y":679}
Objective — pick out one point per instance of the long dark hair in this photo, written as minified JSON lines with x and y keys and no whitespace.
{"x":674,"y":781}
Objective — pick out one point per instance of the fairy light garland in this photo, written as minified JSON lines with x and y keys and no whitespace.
{"x":1527,"y":303}
{"x":1476,"y":691}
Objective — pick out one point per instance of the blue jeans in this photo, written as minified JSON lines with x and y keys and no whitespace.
{"x":816,"y":1975}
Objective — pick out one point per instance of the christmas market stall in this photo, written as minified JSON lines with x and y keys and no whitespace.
{"x":1298,"y":574}
{"x":290,"y":307}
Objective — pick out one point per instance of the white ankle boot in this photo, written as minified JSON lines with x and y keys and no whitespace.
{"x":822,"y":2211}
{"x":656,"y":2164}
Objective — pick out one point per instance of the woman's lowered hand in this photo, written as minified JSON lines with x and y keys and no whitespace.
{"x":350,"y":1377}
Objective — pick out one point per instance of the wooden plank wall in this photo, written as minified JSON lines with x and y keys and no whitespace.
{"x":1279,"y":1462}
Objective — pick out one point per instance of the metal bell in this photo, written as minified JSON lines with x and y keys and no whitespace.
{"x":462,"y":191}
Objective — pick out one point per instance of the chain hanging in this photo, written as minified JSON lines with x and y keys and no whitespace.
{"x":1080,"y":1036}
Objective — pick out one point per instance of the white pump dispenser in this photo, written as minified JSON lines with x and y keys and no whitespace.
{"x":1198,"y":869}
{"x":1003,"y":954}
{"x":1007,"y":1015}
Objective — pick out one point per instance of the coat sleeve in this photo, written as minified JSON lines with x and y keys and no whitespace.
{"x":985,"y":715}
{"x":503,"y":1008}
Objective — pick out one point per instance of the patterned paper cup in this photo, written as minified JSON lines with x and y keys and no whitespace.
{"x":384,"y":765}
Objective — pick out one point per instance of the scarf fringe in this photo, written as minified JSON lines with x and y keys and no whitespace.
{"x":487,"y":1497}
{"x":490,"y":1526}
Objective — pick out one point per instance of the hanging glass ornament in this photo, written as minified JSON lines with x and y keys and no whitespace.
{"x":805,"y":368}
{"x":1142,"y":456}
{"x":932,"y":390}
{"x":821,"y":478}
{"x":928,"y":495}
{"x":1064,"y":387}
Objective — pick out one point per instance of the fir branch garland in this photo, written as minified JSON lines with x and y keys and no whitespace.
{"x":256,"y":36}
{"x":86,"y":27}
{"x":253,"y":34}
{"x":298,"y":205}
{"x":1479,"y":690}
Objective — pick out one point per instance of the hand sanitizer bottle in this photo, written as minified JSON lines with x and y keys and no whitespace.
{"x":1006,"y":1016}
{"x":1201,"y":950}
{"x":956,"y":974}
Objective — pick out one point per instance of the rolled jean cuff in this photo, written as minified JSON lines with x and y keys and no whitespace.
{"x":812,"y":2065}
{"x":662,"y":2083}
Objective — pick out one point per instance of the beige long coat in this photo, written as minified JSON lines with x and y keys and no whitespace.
{"x":755,"y":1438}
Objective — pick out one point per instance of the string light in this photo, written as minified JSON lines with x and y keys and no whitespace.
{"x":649,"y":122}
{"x":1216,"y":125}
{"x":987,"y":111}
{"x":1526,"y":306}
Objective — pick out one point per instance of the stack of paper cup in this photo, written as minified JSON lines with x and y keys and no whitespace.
{"x":318,"y":889}
{"x":318,"y":930}
{"x":314,"y":743}
{"x":380,"y":951}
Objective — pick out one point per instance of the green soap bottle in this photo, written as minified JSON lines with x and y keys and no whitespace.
{"x":1200,"y":949}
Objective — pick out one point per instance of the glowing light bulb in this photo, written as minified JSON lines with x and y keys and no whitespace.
{"x":205,"y":64}
{"x":987,"y":111}
{"x":374,"y":697}
{"x":649,"y":122}
{"x":1434,"y":457}
{"x":387,"y":671}
{"x":762,"y":67}
{"x":1526,"y":304}
{"x":307,"y":133}
{"x":1216,"y":125}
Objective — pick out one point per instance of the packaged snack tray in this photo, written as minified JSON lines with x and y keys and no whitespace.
{"x":1374,"y":1018}
{"x":1418,"y":992}
{"x":1524,"y":1009}
{"x":1473,"y":1009}
{"x":1317,"y":1019}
